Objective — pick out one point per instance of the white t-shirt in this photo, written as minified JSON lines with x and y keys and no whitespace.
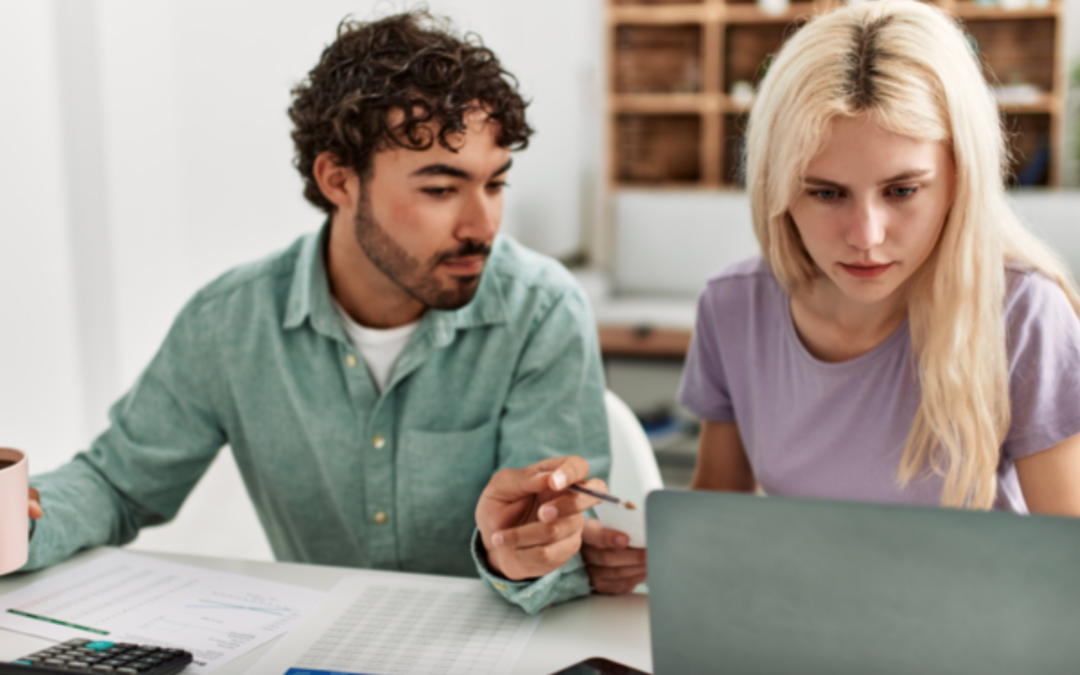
{"x":380,"y":347}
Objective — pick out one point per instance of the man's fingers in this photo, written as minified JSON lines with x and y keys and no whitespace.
{"x":572,"y":469}
{"x":35,"y":504}
{"x":536,"y":561}
{"x":602,"y":537}
{"x":555,"y":473}
{"x":538,"y":534}
{"x":566,"y":504}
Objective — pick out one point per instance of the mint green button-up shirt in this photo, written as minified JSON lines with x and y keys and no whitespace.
{"x":339,"y":473}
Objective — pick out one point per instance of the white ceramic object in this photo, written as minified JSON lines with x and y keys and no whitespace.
{"x":14,"y":541}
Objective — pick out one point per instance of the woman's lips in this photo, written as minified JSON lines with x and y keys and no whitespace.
{"x":866,"y":271}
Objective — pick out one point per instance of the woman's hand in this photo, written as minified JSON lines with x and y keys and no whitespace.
{"x":613,"y":567}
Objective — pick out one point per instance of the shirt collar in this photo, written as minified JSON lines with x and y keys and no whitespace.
{"x":309,"y":297}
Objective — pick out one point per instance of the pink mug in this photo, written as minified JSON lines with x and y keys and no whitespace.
{"x":14,"y":502}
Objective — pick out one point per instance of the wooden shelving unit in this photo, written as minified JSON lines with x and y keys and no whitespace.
{"x":674,"y":123}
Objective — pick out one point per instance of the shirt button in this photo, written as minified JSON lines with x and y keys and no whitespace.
{"x":350,"y":360}
{"x":497,"y":585}
{"x":378,"y":442}
{"x":380,"y":517}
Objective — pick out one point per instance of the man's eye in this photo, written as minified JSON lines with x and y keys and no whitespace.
{"x":437,"y":191}
{"x":902,"y":192}
{"x":497,"y":186}
{"x":826,"y":195}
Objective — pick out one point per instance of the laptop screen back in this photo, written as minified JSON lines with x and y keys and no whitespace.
{"x":742,"y":584}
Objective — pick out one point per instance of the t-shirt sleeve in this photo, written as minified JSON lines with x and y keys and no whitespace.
{"x":1044,"y":367}
{"x":704,"y":387}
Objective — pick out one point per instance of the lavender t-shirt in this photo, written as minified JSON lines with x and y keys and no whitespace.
{"x":837,"y":430}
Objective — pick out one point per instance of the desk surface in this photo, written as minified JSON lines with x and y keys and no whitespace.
{"x":615,"y":627}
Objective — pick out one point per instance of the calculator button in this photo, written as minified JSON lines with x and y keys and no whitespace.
{"x":79,"y":665}
{"x":53,"y":662}
{"x":77,"y":642}
{"x":102,"y":669}
{"x":127,"y":670}
{"x":99,"y":645}
{"x":23,"y":662}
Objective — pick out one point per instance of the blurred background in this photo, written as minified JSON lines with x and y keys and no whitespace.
{"x":144,"y":149}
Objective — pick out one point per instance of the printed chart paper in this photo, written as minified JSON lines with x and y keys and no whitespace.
{"x":123,"y":597}
{"x":630,"y":522}
{"x":378,"y":624}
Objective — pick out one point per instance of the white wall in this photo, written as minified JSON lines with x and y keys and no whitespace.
{"x":146,"y":150}
{"x":40,"y":379}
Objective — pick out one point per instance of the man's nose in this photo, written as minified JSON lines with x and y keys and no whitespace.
{"x":479,"y":217}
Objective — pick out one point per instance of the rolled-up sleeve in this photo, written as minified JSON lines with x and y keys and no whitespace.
{"x":555,"y":408}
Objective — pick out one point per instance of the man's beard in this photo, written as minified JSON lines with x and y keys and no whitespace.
{"x":415,"y":277}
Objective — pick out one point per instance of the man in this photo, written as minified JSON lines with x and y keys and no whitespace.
{"x":401,"y":390}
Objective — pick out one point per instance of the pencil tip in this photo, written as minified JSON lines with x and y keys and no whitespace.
{"x":630,"y":505}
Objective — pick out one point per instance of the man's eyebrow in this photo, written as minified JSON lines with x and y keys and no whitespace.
{"x":902,"y":176}
{"x":442,"y":170}
{"x":504,"y":168}
{"x":454,"y":172}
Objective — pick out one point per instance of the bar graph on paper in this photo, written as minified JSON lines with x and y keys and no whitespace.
{"x":379,"y":627}
{"x":124,"y":597}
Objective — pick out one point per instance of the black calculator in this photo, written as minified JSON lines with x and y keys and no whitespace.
{"x":99,"y":657}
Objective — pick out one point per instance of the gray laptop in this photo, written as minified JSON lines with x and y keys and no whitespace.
{"x":774,"y":586}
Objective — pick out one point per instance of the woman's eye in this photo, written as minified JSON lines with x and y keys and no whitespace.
{"x":826,"y":195}
{"x":902,"y":192}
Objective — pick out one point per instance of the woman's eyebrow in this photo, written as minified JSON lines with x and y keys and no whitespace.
{"x":811,"y":180}
{"x":902,"y":176}
{"x":907,"y":175}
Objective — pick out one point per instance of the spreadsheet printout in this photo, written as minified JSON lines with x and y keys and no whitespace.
{"x":378,"y":624}
{"x":123,"y":597}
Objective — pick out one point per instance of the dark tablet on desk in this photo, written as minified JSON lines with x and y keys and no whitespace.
{"x":599,"y":667}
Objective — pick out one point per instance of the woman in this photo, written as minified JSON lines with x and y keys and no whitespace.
{"x":902,"y":338}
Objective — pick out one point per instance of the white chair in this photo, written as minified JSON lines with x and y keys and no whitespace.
{"x":634,"y":472}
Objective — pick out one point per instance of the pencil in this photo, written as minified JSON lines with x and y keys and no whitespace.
{"x":612,"y":499}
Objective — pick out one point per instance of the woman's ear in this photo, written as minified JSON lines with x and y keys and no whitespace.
{"x":338,"y":183}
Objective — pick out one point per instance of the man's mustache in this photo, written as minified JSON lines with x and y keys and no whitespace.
{"x":468,"y":248}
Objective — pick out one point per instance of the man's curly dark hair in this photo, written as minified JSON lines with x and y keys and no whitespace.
{"x":411,"y":63}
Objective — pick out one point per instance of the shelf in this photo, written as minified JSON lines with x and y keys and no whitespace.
{"x":674,"y":63}
{"x":658,"y":148}
{"x":746,"y":13}
{"x":1047,"y":103}
{"x":664,"y":14}
{"x":668,"y":103}
{"x":973,"y":10}
{"x":653,"y":59}
{"x":751,"y":14}
{"x":747,"y":48}
{"x":733,"y":148}
{"x":1029,"y":164}
{"x":644,"y":342}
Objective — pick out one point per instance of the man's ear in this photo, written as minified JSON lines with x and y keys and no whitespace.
{"x":338,"y":183}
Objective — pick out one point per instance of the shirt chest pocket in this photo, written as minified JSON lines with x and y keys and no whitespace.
{"x":440,"y":478}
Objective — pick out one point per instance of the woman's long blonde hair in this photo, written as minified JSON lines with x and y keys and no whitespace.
{"x":910,"y":68}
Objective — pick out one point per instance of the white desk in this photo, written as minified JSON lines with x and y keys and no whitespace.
{"x":615,"y":627}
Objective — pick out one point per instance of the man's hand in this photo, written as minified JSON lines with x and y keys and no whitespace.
{"x":35,"y":504}
{"x":613,"y":568}
{"x":529,"y":524}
